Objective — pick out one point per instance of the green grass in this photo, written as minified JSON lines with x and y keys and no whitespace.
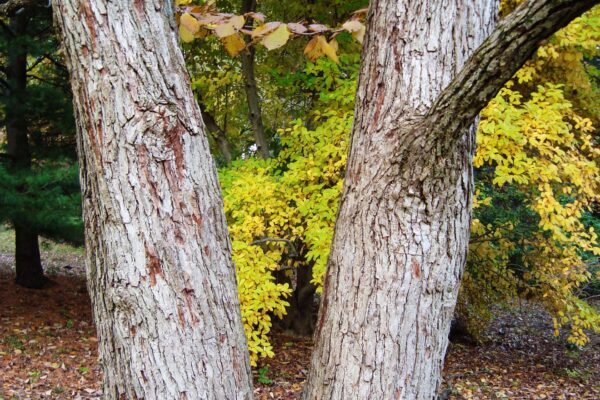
{"x":7,"y":240}
{"x":7,"y":244}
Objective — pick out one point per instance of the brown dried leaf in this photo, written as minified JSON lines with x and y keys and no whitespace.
{"x":256,"y":16}
{"x":313,"y":50}
{"x":318,"y":28}
{"x":296,"y":28}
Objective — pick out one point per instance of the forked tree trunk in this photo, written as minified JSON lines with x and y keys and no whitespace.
{"x":158,"y":259}
{"x":28,"y":266}
{"x":402,"y":231}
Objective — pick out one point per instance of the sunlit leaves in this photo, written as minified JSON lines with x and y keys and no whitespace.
{"x":229,"y":27}
{"x":272,"y":35}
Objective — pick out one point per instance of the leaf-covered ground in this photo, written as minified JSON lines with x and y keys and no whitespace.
{"x":48,"y":350}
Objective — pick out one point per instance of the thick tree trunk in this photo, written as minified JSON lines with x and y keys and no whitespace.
{"x":402,"y":232}
{"x":158,"y":254}
{"x":251,"y":88}
{"x":403,"y":226}
{"x":28,"y":266}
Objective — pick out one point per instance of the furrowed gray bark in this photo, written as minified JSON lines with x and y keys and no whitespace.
{"x":158,"y":258}
{"x":402,"y":231}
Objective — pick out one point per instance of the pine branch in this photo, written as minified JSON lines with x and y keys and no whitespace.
{"x":498,"y":58}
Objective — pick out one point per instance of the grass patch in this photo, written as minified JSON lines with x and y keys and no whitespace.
{"x":7,"y":244}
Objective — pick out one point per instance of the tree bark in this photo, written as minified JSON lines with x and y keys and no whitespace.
{"x":158,"y":259}
{"x":402,"y":231}
{"x":28,"y":266}
{"x":251,"y":88}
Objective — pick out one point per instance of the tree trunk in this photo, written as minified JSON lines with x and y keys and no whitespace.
{"x":29,"y":272}
{"x":300,"y":314}
{"x":251,"y":88}
{"x":402,"y":231}
{"x":158,"y":259}
{"x":218,"y":133}
{"x":28,"y":266}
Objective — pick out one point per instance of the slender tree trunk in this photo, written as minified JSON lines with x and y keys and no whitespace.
{"x":218,"y":134}
{"x":28,"y":266}
{"x":251,"y":88}
{"x":29,"y":271}
{"x":402,"y":231}
{"x":158,"y":259}
{"x":300,"y":314}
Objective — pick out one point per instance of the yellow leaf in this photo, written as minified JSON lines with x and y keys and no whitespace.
{"x":185,"y":35}
{"x":277,"y":38}
{"x":264,"y":29}
{"x":237,"y":21}
{"x":190,"y":23}
{"x":329,"y":49}
{"x":233,"y":44}
{"x":359,"y":35}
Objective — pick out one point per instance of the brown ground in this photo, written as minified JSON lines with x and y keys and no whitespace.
{"x":48,"y":351}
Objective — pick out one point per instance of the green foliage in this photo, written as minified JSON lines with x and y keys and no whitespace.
{"x":46,"y":197}
{"x":263,"y":375}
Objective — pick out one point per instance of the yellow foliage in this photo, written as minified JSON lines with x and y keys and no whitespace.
{"x":267,"y":209}
{"x":536,"y":138}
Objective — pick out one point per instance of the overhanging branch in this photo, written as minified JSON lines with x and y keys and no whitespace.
{"x":497,"y":59}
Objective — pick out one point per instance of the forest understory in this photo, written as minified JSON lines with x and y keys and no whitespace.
{"x":48,"y":349}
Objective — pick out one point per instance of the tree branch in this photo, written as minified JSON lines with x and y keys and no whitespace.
{"x":497,"y":59}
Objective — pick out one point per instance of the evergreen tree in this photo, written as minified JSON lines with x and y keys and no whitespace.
{"x":39,"y":191}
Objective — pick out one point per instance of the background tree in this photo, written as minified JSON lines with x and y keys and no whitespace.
{"x":158,"y":254}
{"x":40,"y":193}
